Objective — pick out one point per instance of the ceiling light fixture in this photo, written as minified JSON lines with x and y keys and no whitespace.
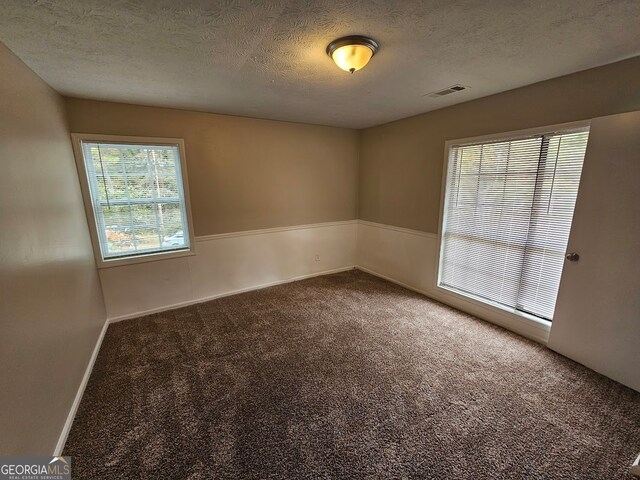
{"x":353,"y":52}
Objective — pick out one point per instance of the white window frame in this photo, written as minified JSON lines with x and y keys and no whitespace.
{"x":76,"y":140}
{"x":504,"y":315}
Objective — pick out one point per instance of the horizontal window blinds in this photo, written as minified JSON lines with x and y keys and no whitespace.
{"x":508,"y":211}
{"x":137,"y":197}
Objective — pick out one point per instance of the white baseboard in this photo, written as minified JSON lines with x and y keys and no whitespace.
{"x":229,"y":264}
{"x":85,"y":379}
{"x":226,"y":264}
{"x":78,"y":398}
{"x":228,"y":294}
{"x":392,"y":280}
{"x":532,"y":332}
{"x":409,"y":258}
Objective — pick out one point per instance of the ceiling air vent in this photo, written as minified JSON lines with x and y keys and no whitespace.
{"x":446,"y":91}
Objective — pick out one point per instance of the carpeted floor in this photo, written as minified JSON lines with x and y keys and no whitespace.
{"x":343,"y":376}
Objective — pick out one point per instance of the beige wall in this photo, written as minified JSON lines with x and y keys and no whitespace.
{"x":51,"y":307}
{"x":401,"y":162}
{"x":244,"y":173}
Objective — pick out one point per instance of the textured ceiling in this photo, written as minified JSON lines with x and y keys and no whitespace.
{"x":267,"y":58}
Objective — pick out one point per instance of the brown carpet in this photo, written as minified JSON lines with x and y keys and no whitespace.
{"x":343,"y":376}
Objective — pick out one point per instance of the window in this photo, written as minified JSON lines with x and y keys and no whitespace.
{"x":135,"y":196}
{"x":507,"y":215}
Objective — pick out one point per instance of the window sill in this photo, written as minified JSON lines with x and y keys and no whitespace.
{"x":150,"y":257}
{"x":525,"y":324}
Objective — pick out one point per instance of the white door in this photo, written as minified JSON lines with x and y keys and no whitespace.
{"x":597,"y":315}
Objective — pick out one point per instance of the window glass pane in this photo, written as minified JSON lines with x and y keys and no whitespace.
{"x":137,"y":197}
{"x":552,"y":212}
{"x":508,"y":211}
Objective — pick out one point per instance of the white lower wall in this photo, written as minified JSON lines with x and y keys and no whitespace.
{"x":409,"y":257}
{"x":229,"y":263}
{"x":235,"y":262}
{"x":406,"y":256}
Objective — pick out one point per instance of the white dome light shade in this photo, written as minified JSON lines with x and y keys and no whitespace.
{"x":352,"y":53}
